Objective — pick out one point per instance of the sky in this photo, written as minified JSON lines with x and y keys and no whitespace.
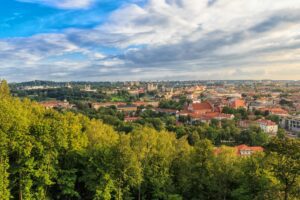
{"x":120,"y":40}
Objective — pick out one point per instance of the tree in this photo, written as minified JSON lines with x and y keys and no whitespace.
{"x":255,"y":180}
{"x":253,"y":136}
{"x":201,"y":171}
{"x":155,"y":151}
{"x":226,"y":173}
{"x":4,"y":166}
{"x":4,"y":89}
{"x":283,"y":158}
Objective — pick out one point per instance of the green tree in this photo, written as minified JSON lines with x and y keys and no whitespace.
{"x":283,"y":159}
{"x":255,"y":180}
{"x":201,"y":171}
{"x":4,"y":165}
{"x":4,"y":89}
{"x":253,"y":136}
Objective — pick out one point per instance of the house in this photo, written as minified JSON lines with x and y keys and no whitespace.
{"x":134,"y":92}
{"x":143,"y":103}
{"x":237,"y":103}
{"x":207,"y":117}
{"x":267,"y":126}
{"x":96,"y":106}
{"x":275,"y":111}
{"x":56,"y":104}
{"x":261,"y":103}
{"x":127,"y":108}
{"x":244,"y":150}
{"x":131,"y":119}
{"x":241,"y":150}
{"x":204,"y":112}
{"x":200,"y":108}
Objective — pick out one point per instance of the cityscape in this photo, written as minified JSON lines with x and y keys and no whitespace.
{"x":271,"y":105}
{"x":149,"y":100}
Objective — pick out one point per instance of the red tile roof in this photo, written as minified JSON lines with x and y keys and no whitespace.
{"x":244,"y":147}
{"x":238,"y":103}
{"x":275,"y":111}
{"x":211,"y":115}
{"x":130,"y":119}
{"x":202,"y":106}
{"x":266,"y":122}
{"x":242,"y":150}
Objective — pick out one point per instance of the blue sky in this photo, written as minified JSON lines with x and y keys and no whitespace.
{"x":112,"y":40}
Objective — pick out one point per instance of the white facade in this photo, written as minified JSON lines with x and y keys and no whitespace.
{"x":291,"y":123}
{"x":268,"y":128}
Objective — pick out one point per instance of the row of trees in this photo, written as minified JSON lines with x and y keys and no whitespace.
{"x":216,"y":132}
{"x":45,"y":155}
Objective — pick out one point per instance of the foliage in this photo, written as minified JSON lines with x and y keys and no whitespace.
{"x":51,"y":155}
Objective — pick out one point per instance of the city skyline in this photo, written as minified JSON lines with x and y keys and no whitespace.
{"x":121,"y":40}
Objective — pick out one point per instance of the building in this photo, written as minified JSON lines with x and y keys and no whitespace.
{"x":200,"y":108}
{"x":275,"y":111}
{"x":144,"y":103}
{"x":57,"y":104}
{"x":166,"y":111}
{"x":88,"y":88}
{"x":151,"y":87}
{"x":96,"y":106}
{"x":131,"y":119}
{"x":261,"y":103}
{"x":244,"y":150}
{"x":241,"y":150}
{"x":69,"y":86}
{"x":267,"y":126}
{"x":204,"y":112}
{"x":127,"y":108}
{"x":207,"y":117}
{"x":237,"y":103}
{"x":290,"y":123}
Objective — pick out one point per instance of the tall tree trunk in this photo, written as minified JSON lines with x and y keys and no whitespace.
{"x":286,"y":194}
{"x":139,"y":197}
{"x":20,"y":188}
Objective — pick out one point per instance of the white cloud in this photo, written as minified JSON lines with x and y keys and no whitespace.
{"x":63,"y":4}
{"x":171,"y":21}
{"x":168,"y":39}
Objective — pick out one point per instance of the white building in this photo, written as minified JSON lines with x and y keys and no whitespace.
{"x":268,"y":126}
{"x":151,"y":87}
{"x":291,"y":123}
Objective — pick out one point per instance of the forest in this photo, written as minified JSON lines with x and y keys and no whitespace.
{"x":49,"y":155}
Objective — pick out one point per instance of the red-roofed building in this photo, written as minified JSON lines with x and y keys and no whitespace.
{"x":204,"y":112}
{"x":237,"y":103}
{"x":207,"y":117}
{"x":131,"y":119}
{"x":200,"y":108}
{"x":267,"y":126}
{"x":244,"y":150}
{"x":275,"y":111}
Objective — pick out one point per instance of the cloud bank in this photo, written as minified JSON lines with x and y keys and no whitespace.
{"x":166,"y":39}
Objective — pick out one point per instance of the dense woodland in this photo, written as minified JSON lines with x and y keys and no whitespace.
{"x":46,"y":154}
